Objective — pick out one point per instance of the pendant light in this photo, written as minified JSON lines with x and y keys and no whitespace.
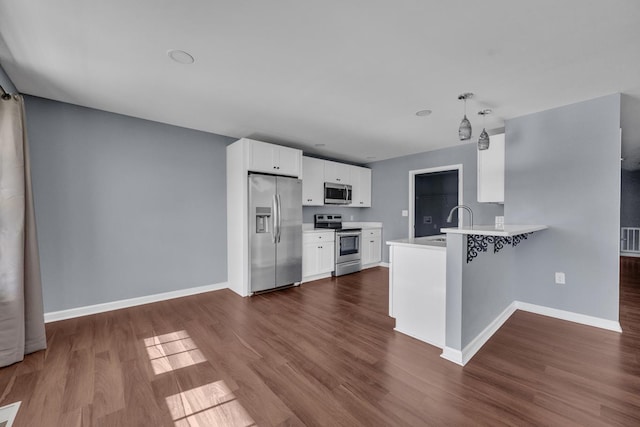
{"x":483,"y":141}
{"x":464,"y":131}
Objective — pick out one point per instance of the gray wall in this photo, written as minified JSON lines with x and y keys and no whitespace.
{"x":124,"y":207}
{"x":563,"y":170}
{"x":630,"y":199}
{"x":390,"y":184}
{"x":347,"y":213}
{"x":6,"y":82}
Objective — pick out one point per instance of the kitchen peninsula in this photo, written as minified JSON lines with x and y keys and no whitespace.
{"x":434,"y":280}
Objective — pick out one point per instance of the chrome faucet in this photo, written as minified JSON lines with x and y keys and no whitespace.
{"x":465,"y":207}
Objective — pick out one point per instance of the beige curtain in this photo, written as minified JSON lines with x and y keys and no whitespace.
{"x":21,"y":311}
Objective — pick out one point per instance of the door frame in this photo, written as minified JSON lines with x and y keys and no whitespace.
{"x":412,"y":191}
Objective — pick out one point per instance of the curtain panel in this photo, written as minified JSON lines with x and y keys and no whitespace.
{"x":21,"y":310}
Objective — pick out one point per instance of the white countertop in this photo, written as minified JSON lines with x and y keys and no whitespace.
{"x":308,"y":227}
{"x":418,"y":242}
{"x":490,"y":230}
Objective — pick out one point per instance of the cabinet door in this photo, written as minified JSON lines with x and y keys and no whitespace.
{"x":261,"y":157}
{"x":310,"y":259}
{"x":371,"y":246}
{"x":361,"y":182}
{"x":376,"y":249}
{"x":326,"y":254}
{"x":491,"y":171}
{"x":288,"y":161}
{"x":337,"y":172}
{"x":312,"y":181}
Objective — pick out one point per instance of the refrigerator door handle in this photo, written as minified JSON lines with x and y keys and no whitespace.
{"x":274,"y":227}
{"x":279,"y":217}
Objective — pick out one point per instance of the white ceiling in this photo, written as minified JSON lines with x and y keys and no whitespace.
{"x":348,"y":74}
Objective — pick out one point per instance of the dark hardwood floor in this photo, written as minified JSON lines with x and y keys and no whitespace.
{"x":322,"y":354}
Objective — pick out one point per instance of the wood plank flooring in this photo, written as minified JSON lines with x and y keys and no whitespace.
{"x":322,"y":354}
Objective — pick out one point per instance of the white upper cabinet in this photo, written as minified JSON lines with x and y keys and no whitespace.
{"x":361,"y":187}
{"x":337,"y":172}
{"x":275,"y":159}
{"x":312,"y":181}
{"x":491,"y":171}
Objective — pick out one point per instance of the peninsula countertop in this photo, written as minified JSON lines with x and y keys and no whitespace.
{"x":490,"y":230}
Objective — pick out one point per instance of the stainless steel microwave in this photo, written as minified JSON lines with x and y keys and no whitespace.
{"x":337,"y":194}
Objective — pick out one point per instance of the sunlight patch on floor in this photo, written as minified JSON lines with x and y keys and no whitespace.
{"x":172,"y":351}
{"x":212,"y":404}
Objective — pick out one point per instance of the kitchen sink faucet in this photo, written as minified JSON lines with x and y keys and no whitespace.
{"x":467,"y":208}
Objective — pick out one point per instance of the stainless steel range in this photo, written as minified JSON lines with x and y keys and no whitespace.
{"x":348,"y":250}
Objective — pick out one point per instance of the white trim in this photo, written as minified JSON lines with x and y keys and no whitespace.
{"x":8,"y":413}
{"x":476,"y":344}
{"x":412,"y":191}
{"x":375,"y":264}
{"x":463,"y":357}
{"x":54,"y":316}
{"x":315,"y":277}
{"x":598,"y":322}
{"x":630,"y":254}
{"x":418,"y":337}
{"x":452,"y":355}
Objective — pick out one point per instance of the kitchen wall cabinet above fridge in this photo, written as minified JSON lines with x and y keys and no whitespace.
{"x":315,"y":172}
{"x":273,"y":159}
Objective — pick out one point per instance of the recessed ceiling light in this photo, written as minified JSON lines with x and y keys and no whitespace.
{"x":319,"y":145}
{"x":423,"y":113}
{"x":180,"y":56}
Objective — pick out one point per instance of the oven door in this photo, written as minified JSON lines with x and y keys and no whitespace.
{"x":347,"y":247}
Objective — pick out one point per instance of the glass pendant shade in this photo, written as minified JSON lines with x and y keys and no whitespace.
{"x":483,"y":141}
{"x":464,"y":131}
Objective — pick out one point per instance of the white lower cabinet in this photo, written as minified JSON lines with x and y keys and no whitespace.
{"x":318,"y":254}
{"x":371,"y":246}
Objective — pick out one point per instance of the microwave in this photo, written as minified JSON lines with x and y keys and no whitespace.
{"x":337,"y":194}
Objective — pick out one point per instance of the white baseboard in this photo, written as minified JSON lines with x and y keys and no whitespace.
{"x":452,"y":355}
{"x":316,"y":277}
{"x":631,"y":254}
{"x":418,"y":337}
{"x":376,"y":264}
{"x":54,"y":316}
{"x":598,"y":322}
{"x":462,"y":357}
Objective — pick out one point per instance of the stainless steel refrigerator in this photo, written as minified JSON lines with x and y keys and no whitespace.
{"x":275,"y":231}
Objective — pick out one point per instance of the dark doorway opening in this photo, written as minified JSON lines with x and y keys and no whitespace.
{"x":436,"y":194}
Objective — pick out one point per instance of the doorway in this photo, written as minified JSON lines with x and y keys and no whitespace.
{"x":432,"y":194}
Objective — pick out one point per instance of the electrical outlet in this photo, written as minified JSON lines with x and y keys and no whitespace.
{"x":560,"y":280}
{"x":351,"y":218}
{"x":405,"y":212}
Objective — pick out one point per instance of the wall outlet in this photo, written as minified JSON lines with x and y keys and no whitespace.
{"x":351,"y":218}
{"x":560,"y":280}
{"x":405,"y":212}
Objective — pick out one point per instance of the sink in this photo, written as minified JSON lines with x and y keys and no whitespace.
{"x":438,"y":238}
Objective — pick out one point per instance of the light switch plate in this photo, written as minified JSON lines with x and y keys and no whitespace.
{"x":405,"y":212}
{"x":560,"y":279}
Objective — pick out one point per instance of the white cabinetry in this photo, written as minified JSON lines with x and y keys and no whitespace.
{"x":371,"y":246}
{"x":491,"y":171}
{"x":275,"y":159}
{"x":318,"y":254}
{"x":243,"y":156}
{"x":312,"y":181}
{"x":337,"y":172}
{"x":361,"y":187}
